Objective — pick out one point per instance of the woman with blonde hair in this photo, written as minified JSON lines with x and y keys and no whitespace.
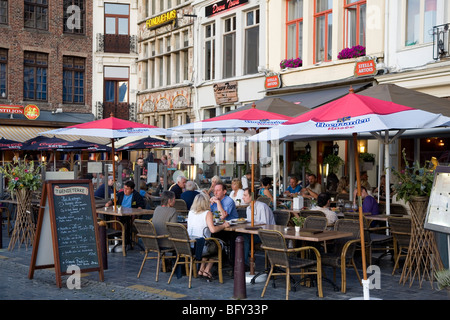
{"x":236,"y":190}
{"x":201,"y":225}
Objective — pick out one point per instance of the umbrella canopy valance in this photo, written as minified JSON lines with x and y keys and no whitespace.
{"x":6,"y":144}
{"x":249,"y":118}
{"x":145,"y":143}
{"x":42,"y":143}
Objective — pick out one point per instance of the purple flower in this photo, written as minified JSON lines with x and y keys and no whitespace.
{"x":353,"y":52}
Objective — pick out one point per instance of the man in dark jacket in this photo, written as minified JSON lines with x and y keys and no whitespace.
{"x":129,"y":198}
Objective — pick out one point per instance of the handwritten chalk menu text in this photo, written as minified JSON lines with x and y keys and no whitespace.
{"x":75,"y":225}
{"x":67,"y":229}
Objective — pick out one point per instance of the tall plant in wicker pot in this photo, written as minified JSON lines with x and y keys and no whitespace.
{"x":414,"y":184}
{"x":23,"y":178}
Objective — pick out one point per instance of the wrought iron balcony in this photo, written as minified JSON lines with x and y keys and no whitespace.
{"x":441,"y":41}
{"x":116,"y":43}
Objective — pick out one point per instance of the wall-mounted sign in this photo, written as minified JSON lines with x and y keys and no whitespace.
{"x":223,"y":6}
{"x":272,"y":82}
{"x":162,"y":19}
{"x":365,"y":68}
{"x":4,"y":108}
{"x":31,"y":112}
{"x":226,"y":92}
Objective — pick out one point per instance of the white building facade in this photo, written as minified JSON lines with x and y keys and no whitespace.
{"x":114,"y":59}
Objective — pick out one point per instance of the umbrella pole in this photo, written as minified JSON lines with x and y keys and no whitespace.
{"x":252,"y":258}
{"x":114,"y":172}
{"x":361,"y":224}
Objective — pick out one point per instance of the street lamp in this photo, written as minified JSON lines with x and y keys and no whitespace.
{"x":308,"y":148}
{"x":336,"y":149}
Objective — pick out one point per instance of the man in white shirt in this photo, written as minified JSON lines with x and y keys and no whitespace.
{"x":262,"y":215}
{"x":323,"y":204}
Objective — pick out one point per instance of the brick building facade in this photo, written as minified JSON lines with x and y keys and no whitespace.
{"x":40,"y":44}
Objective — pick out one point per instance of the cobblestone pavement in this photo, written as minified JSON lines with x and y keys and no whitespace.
{"x":121,"y":283}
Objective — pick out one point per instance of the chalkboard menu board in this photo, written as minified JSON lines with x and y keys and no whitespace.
{"x":67,"y":212}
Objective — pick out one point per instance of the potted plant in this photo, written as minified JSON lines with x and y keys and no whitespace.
{"x":333,"y":162}
{"x":367,"y":160}
{"x":291,"y":63}
{"x":353,"y":52}
{"x":298,"y":222}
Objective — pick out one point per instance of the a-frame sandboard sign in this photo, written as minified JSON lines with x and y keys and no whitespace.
{"x":67,"y":229}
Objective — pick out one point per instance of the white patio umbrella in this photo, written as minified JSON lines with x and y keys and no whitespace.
{"x":111,"y":128}
{"x":347,"y":116}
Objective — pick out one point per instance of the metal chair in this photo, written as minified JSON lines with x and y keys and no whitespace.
{"x":281,"y":257}
{"x":112,"y":234}
{"x":401,"y":232}
{"x":343,"y":253}
{"x":182,"y":244}
{"x":147,"y":232}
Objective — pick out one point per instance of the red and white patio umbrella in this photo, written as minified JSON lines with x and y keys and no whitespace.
{"x":250,"y":118}
{"x":347,"y":116}
{"x":112,"y":128}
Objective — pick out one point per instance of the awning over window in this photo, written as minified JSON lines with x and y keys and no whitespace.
{"x":22,"y":133}
{"x":312,"y":98}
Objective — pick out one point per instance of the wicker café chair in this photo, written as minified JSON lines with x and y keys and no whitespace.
{"x":147,"y":232}
{"x":281,"y":217}
{"x":344,"y":250}
{"x":315,"y":222}
{"x":398,"y":209}
{"x":281,"y":257}
{"x":182,"y":244}
{"x":315,"y":213}
{"x":401,"y":231}
{"x":180,"y":204}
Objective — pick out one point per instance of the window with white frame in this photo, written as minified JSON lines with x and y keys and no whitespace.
{"x":229,"y":47}
{"x":355,"y":23}
{"x":210,"y":49}
{"x":294,"y":29}
{"x":420,"y":19}
{"x":323,"y":23}
{"x":251,"y":42}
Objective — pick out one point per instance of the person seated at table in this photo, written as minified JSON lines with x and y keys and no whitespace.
{"x":179,"y":186}
{"x":364,"y":181}
{"x":343,"y":186}
{"x":294,"y":187}
{"x":214,"y":180}
{"x":236,"y":190}
{"x":265,"y":191}
{"x":190,"y":193}
{"x":369,"y":204}
{"x":223,"y":203}
{"x":382,"y":188}
{"x":142,"y":169}
{"x":100,"y":192}
{"x":323,"y":204}
{"x":313,"y":189}
{"x":128,"y":197}
{"x":201,"y":225}
{"x":162,"y":214}
{"x":262,"y":214}
{"x":246,"y":179}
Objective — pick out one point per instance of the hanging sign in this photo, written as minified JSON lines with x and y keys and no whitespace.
{"x":272,"y":82}
{"x":365,"y":68}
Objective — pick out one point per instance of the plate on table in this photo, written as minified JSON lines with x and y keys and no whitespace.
{"x":240,"y":220}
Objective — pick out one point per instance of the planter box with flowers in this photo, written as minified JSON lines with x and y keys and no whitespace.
{"x":291,"y":63}
{"x":353,"y":52}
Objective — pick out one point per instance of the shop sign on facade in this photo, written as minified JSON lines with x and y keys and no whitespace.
{"x":226,"y":92}
{"x":223,"y":6}
{"x":162,"y":19}
{"x":365,"y":68}
{"x":31,"y":111}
